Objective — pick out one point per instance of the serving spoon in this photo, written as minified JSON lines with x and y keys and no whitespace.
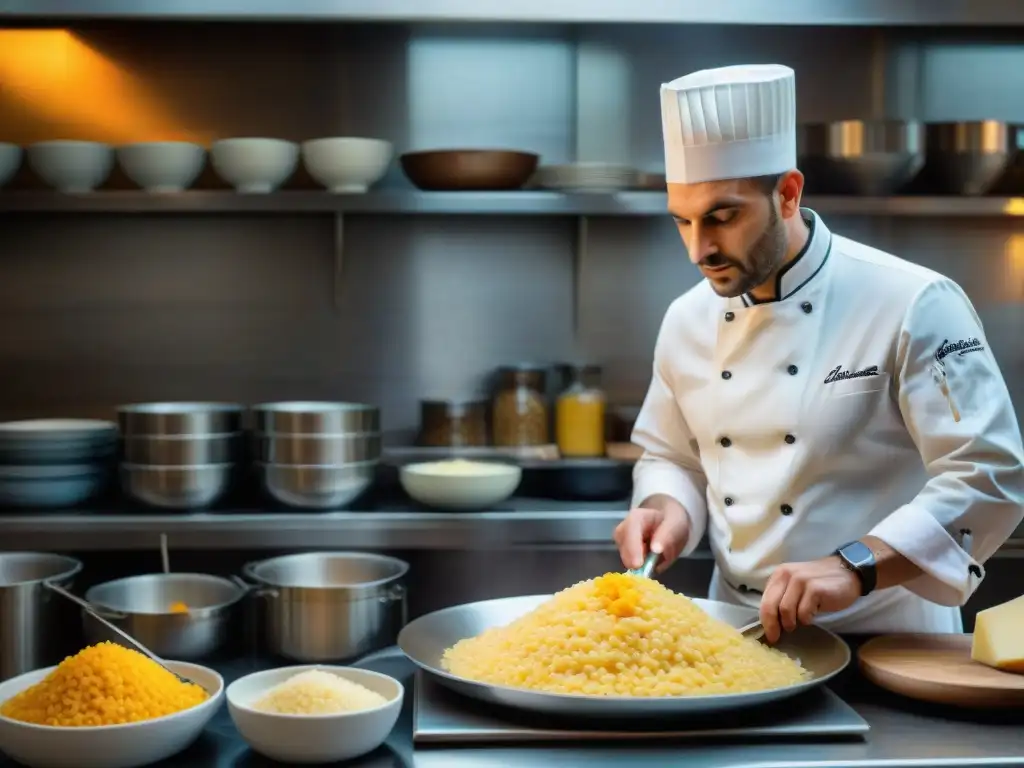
{"x":752,"y":631}
{"x":93,"y":612}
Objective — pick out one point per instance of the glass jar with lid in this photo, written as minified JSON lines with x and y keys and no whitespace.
{"x":453,"y":423}
{"x":520,"y":411}
{"x":580,"y":415}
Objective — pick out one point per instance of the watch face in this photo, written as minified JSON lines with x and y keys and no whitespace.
{"x":858,"y":554}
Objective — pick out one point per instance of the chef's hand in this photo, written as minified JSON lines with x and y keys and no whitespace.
{"x":660,"y":523}
{"x":797,"y":592}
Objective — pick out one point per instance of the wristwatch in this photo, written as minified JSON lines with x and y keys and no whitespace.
{"x":858,"y":557}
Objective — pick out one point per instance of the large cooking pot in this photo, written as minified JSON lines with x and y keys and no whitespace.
{"x":37,"y":628}
{"x":141,"y":606}
{"x":330,"y":606}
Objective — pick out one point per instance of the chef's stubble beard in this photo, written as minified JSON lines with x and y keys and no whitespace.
{"x":763,"y":259}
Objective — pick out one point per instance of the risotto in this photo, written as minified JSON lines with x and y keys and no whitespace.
{"x":316,"y":692}
{"x":104,"y":684}
{"x":621,"y":635}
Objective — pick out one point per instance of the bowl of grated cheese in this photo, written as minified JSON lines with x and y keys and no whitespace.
{"x":459,"y":484}
{"x":315,"y":714}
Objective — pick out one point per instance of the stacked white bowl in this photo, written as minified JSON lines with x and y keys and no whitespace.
{"x":162,"y":166}
{"x":254,"y":165}
{"x":347,"y":165}
{"x":316,"y":455}
{"x":54,"y":463}
{"x":73,"y":167}
{"x":179,"y":455}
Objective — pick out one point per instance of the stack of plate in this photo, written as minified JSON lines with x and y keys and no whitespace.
{"x":316,"y":455}
{"x":53,"y":463}
{"x":586,"y":177}
{"x":179,"y":455}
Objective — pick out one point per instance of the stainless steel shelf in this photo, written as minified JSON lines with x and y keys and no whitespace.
{"x":526,"y":203}
{"x":791,"y":12}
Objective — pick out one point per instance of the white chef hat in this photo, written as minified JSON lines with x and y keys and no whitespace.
{"x":729,"y":123}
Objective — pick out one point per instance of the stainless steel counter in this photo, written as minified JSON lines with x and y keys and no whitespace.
{"x":902,"y":734}
{"x":519,"y":523}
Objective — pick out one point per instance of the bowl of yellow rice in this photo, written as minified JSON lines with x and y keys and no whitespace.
{"x":315,"y":714}
{"x":105,"y":707}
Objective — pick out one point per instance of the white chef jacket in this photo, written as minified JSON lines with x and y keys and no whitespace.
{"x":863,"y":401}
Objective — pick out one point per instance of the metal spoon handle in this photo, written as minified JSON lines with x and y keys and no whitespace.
{"x":647,"y":568}
{"x":88,"y":608}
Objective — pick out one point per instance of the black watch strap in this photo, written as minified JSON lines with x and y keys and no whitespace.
{"x":858,"y":557}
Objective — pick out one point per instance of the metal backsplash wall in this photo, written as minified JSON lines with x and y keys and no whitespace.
{"x":101,"y":309}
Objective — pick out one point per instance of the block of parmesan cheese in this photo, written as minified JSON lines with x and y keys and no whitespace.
{"x":999,"y":636}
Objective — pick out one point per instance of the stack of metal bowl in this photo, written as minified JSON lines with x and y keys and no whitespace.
{"x":179,"y":455}
{"x":316,"y":455}
{"x":54,"y":463}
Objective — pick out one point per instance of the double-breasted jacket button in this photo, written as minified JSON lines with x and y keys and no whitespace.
{"x":730,"y":316}
{"x":728,"y":501}
{"x":807,"y":307}
{"x":786,"y":509}
{"x":726,"y":375}
{"x":974,"y":570}
{"x":792,"y":370}
{"x":725,"y":442}
{"x":790,"y":439}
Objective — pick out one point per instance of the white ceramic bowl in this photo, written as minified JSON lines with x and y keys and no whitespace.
{"x":492,"y":484}
{"x":162,"y":166}
{"x":347,"y":165}
{"x":72,"y":166}
{"x":10,"y":161}
{"x":305,"y":739}
{"x":108,"y":746}
{"x":255,"y":166}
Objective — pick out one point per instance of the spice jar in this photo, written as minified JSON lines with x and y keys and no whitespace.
{"x":453,"y":423}
{"x":520,"y":411}
{"x":579,"y":415}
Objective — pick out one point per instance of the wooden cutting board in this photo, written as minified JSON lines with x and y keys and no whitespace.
{"x":939,"y":669}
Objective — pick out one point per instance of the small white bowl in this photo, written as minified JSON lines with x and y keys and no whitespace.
{"x":254,"y":166}
{"x":306,"y":739}
{"x":162,"y":166}
{"x":108,"y":746}
{"x":74,"y":167}
{"x":10,"y":161}
{"x":428,"y":484}
{"x":347,"y":165}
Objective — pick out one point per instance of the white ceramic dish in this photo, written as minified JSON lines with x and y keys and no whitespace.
{"x":50,"y":486}
{"x":347,"y":165}
{"x":254,"y":165}
{"x":479,"y":490}
{"x":307,"y":739}
{"x":586,"y":177}
{"x":74,"y":167}
{"x":10,"y":161}
{"x":162,"y":166}
{"x":109,"y":746}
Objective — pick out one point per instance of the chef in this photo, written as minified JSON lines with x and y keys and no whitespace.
{"x":830,"y":415}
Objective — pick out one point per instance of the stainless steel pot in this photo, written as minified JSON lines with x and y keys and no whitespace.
{"x":318,"y":450}
{"x":330,"y":606}
{"x":313,"y":487}
{"x":37,"y":628}
{"x":177,"y":487}
{"x":968,"y":158}
{"x":182,"y":450}
{"x":180,"y":418}
{"x":141,"y":606}
{"x":315,"y":418}
{"x":860,"y":157}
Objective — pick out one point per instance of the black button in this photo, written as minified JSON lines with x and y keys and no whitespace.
{"x":787,"y":510}
{"x":793,"y":370}
{"x":726,"y":442}
{"x":730,"y":316}
{"x":726,"y":375}
{"x":742,"y":588}
{"x":790,"y":439}
{"x":728,"y":501}
{"x":806,"y":307}
{"x":965,"y":531}
{"x":974,"y":570}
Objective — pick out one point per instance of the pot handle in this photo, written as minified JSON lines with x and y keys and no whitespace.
{"x":253,"y":590}
{"x":396,"y":593}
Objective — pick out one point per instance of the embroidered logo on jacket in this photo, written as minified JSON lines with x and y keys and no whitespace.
{"x":838,"y":374}
{"x":958,"y":348}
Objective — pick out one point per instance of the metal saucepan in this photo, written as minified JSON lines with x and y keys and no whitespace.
{"x":315,"y":418}
{"x":426,"y":639}
{"x":141,"y":606}
{"x":318,"y":449}
{"x":37,"y":628}
{"x":968,"y":158}
{"x":330,"y":606}
{"x":180,"y":418}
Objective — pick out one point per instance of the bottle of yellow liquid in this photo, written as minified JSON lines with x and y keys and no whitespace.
{"x":579,"y":415}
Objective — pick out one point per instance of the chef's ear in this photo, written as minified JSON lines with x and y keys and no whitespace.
{"x":790,"y":189}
